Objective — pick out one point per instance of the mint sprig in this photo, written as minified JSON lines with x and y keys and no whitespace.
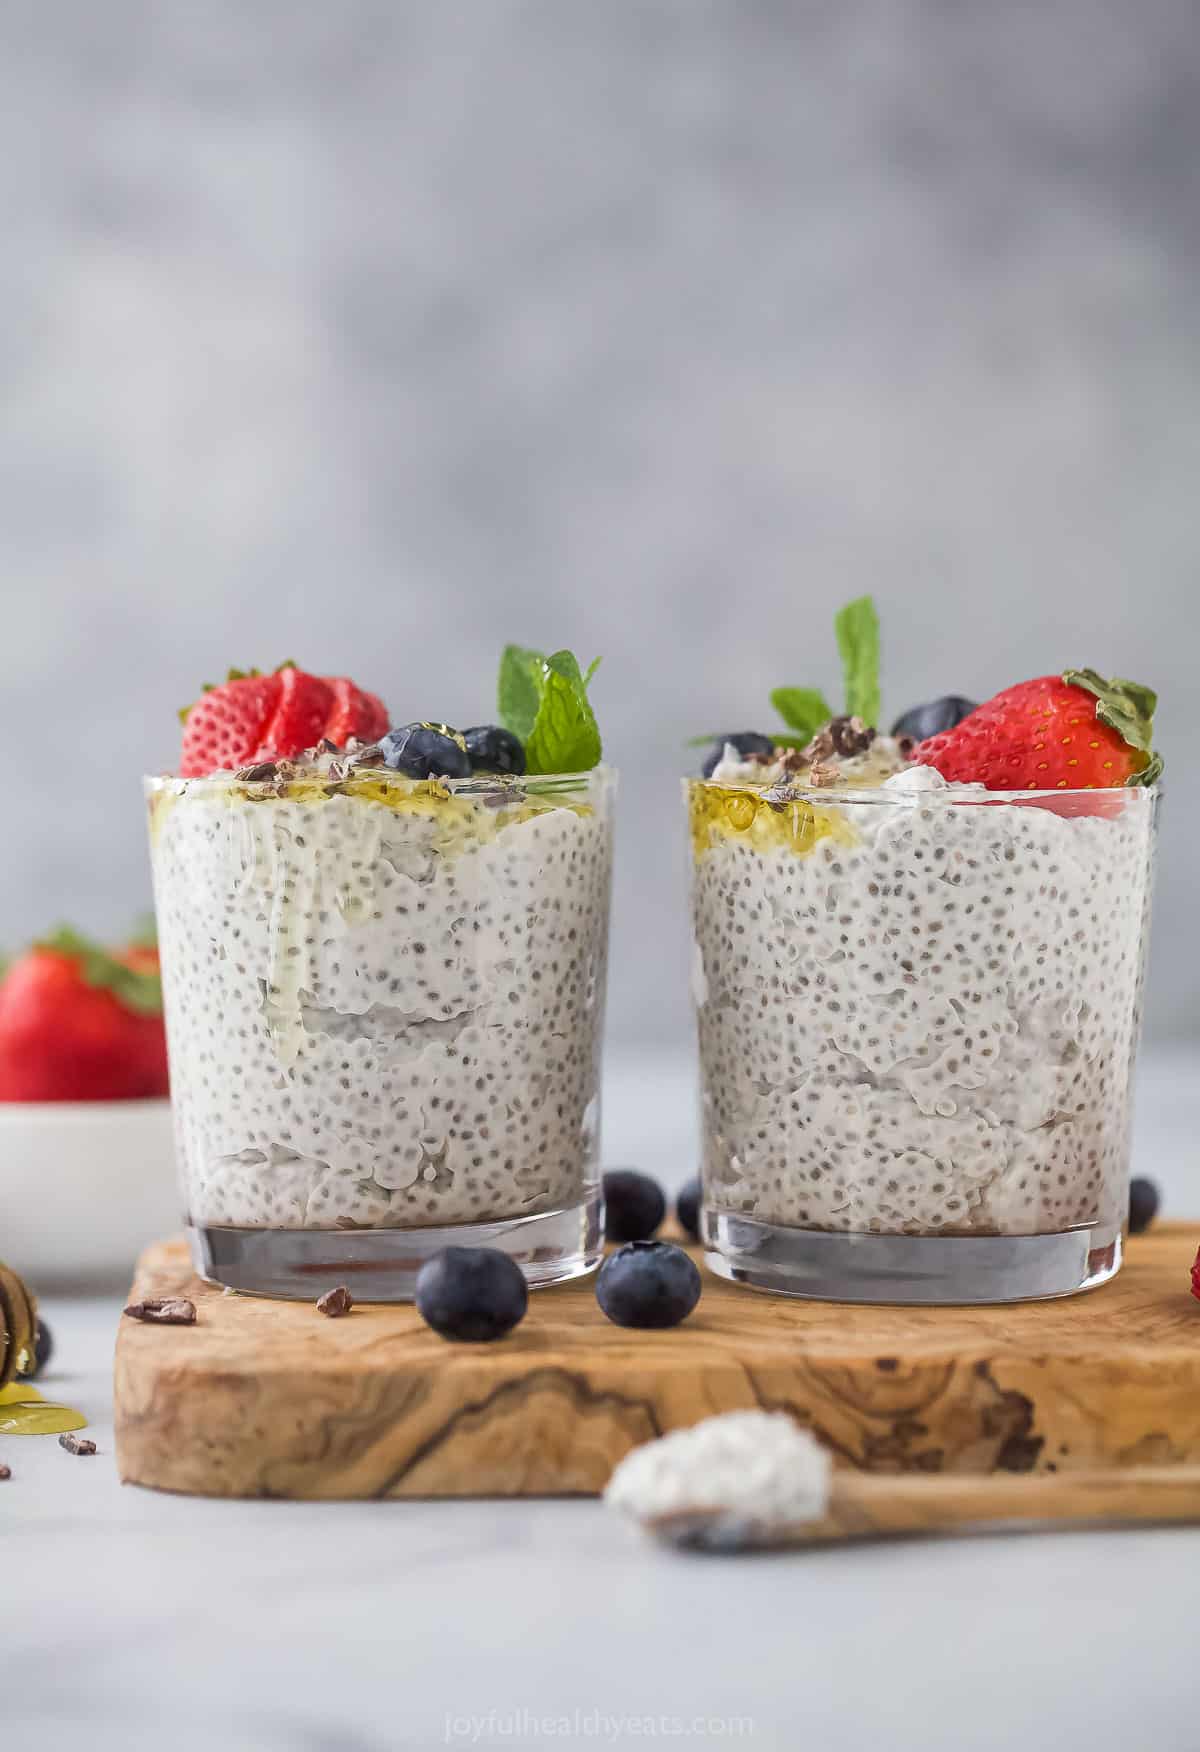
{"x":857,"y":629}
{"x":803,"y":709}
{"x":544,"y":701}
{"x":518,"y":690}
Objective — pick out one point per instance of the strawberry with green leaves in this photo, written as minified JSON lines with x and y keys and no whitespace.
{"x":253,"y":717}
{"x":81,"y":1023}
{"x":1073,"y":731}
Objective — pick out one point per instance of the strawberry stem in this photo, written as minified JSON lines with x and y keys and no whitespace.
{"x":137,"y":990}
{"x":1128,"y":708}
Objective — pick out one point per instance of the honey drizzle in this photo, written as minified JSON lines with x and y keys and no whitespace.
{"x":26,"y":1412}
{"x":720,"y":812}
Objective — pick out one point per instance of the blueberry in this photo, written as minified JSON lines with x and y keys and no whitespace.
{"x":492,"y":749}
{"x":634,"y":1205}
{"x":648,"y":1283}
{"x":687,"y":1208}
{"x":42,"y":1350}
{"x":745,"y":741}
{"x":931,"y":719}
{"x":425,"y":751}
{"x":1143,"y":1204}
{"x":471,"y":1293}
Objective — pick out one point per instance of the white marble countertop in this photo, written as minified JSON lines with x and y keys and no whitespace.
{"x":128,"y":1617}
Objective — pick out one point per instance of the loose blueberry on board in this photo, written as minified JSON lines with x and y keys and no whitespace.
{"x":42,"y":1350}
{"x":1143,"y":1204}
{"x":650,"y":1284}
{"x":634,"y":1205}
{"x":473,"y":1294}
{"x":934,"y":717}
{"x":425,"y":751}
{"x":745,"y":741}
{"x":687,"y":1208}
{"x":491,"y":749}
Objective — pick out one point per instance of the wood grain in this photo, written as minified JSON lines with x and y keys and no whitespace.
{"x":865,"y":1505}
{"x":871,"y":1505}
{"x":265,"y":1398}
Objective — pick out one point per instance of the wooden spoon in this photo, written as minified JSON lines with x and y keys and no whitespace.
{"x":690,"y":1490}
{"x":870,"y":1505}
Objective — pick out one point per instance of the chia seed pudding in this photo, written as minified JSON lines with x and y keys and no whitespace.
{"x":384,"y":1001}
{"x":918,"y":1006}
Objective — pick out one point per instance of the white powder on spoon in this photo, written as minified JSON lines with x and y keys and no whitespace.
{"x":752,"y":1468}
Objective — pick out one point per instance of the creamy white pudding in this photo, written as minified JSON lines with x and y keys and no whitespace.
{"x":384,"y":996}
{"x":918,"y":1005}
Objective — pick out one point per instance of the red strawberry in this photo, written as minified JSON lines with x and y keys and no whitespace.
{"x":298,"y":721}
{"x":253,"y":717}
{"x":150,"y":1046}
{"x":1061,"y":732}
{"x":225,"y":726}
{"x":1196,"y":1277}
{"x":80,"y":1024}
{"x":354,"y":713}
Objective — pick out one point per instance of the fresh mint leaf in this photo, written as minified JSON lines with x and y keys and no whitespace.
{"x":592,"y":667}
{"x":565,"y":737}
{"x":857,"y":628}
{"x":803,"y":709}
{"x":519,"y":689}
{"x":544,"y":701}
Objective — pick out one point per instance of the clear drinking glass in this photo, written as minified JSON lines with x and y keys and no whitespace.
{"x":918,"y":1015}
{"x":384,"y":1005}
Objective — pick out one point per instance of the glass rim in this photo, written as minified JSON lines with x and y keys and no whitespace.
{"x":475,"y":784}
{"x":952,"y":795}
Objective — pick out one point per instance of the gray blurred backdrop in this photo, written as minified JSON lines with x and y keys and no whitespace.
{"x":378,"y":334}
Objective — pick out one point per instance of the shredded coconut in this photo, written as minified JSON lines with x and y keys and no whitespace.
{"x":757,"y":1466}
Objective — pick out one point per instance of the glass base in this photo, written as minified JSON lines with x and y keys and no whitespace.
{"x":913,"y":1270}
{"x":381,"y":1265}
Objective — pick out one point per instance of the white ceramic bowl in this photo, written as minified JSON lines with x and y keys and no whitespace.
{"x":84,"y":1185}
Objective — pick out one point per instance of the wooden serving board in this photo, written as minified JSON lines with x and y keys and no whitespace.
{"x":266,"y":1398}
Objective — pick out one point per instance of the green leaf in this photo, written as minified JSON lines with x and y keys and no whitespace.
{"x":592,"y":667}
{"x":1125,"y":706}
{"x":544,"y":701}
{"x":1128,"y":708}
{"x":519,"y":689}
{"x":564,"y":737}
{"x":857,"y":628}
{"x":803,"y":709}
{"x":137,"y":990}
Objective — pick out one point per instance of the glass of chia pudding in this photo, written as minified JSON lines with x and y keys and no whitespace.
{"x":917,"y":973}
{"x":384,"y":969}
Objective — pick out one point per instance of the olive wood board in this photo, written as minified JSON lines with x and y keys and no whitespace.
{"x":273,"y":1399}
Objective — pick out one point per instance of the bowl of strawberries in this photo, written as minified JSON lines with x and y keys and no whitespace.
{"x":86,"y":1150}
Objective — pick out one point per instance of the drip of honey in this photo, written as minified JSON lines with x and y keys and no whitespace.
{"x":25,"y":1412}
